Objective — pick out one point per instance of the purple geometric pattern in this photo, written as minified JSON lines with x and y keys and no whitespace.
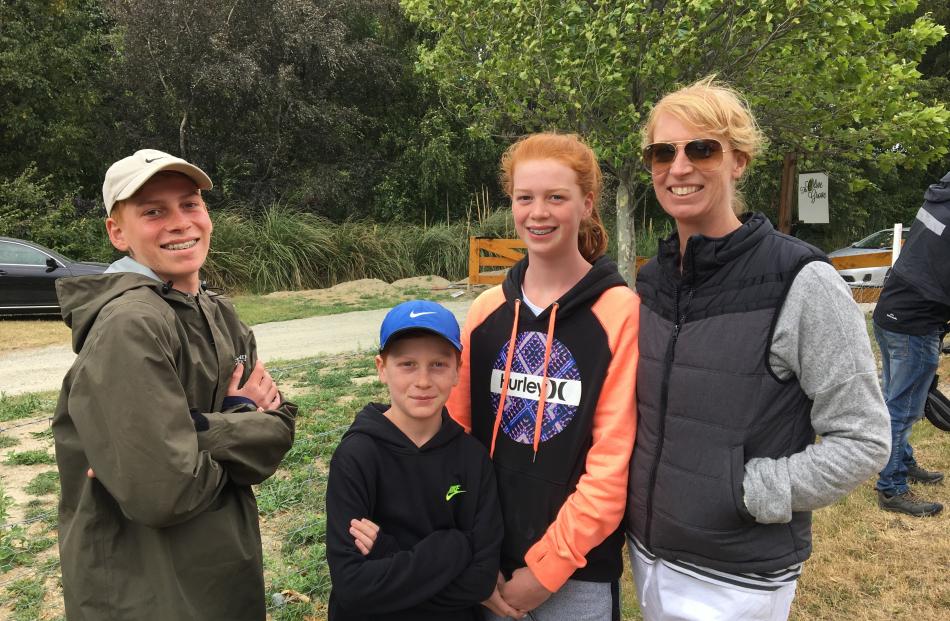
{"x":518,"y":417}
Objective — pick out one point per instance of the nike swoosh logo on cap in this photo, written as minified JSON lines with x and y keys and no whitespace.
{"x":414,"y":314}
{"x":149,"y":161}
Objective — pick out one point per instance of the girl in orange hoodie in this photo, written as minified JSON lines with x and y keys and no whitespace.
{"x":547,"y":384}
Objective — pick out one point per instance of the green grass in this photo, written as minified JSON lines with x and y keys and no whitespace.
{"x":5,"y":503}
{"x":295,"y":498}
{"x":19,"y":547}
{"x":45,"y":512}
{"x":255,"y":309}
{"x":7,"y":441}
{"x":26,"y":597}
{"x":43,"y":483}
{"x":46,"y":434}
{"x":29,"y":458}
{"x":25,"y":406}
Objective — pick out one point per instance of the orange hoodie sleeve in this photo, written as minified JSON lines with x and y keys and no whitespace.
{"x":596,"y":507}
{"x":460,"y":401}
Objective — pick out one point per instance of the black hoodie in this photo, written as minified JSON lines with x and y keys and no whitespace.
{"x":562,"y":484}
{"x":436,"y":555}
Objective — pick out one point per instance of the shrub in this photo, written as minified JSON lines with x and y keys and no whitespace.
{"x":29,"y":211}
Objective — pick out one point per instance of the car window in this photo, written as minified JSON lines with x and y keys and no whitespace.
{"x":18,"y":254}
{"x":880,"y":240}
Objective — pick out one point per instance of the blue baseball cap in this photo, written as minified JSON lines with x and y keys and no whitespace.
{"x":420,"y":315}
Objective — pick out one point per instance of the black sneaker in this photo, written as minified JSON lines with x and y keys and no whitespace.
{"x":916,"y":474}
{"x":908,"y":503}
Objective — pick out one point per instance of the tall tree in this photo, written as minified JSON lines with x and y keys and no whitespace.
{"x":826,"y":78}
{"x":313,"y":102}
{"x":52,"y":57}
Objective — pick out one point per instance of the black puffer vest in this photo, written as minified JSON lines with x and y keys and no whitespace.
{"x":708,"y":401}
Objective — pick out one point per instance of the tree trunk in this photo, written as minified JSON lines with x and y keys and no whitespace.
{"x":626,"y":232}
{"x":787,"y":192}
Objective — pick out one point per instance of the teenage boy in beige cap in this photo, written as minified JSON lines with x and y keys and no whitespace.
{"x":165,"y":419}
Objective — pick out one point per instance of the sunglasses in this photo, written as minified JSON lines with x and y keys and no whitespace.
{"x":703,"y":153}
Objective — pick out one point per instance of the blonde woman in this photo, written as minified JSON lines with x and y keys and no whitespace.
{"x":750,"y":346}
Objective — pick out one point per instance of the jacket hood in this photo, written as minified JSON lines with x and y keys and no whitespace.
{"x":603,"y":275}
{"x":705,"y":255}
{"x":939,"y":192}
{"x":372,"y":421}
{"x":82,"y":298}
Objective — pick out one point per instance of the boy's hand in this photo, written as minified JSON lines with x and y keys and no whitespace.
{"x":364,"y":534}
{"x":497,"y":604}
{"x":524,"y":591}
{"x":259,"y":387}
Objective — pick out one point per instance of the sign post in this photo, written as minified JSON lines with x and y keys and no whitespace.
{"x":896,"y":242}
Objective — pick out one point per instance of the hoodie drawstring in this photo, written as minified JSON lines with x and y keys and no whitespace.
{"x":542,"y":398}
{"x":504,"y":381}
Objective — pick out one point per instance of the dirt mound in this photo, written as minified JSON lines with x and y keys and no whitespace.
{"x":343,"y":292}
{"x":422,"y":282}
{"x":364,"y":286}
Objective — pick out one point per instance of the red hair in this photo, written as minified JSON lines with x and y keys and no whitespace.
{"x":574,"y":153}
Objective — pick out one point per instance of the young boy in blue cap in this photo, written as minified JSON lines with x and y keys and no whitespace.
{"x":413,"y":522}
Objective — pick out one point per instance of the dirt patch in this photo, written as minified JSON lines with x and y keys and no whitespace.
{"x":364,"y":286}
{"x":422,"y":282}
{"x":16,"y":478}
{"x":356,"y":290}
{"x":345,"y":292}
{"x":16,"y":335}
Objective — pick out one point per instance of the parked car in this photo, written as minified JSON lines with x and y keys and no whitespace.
{"x":875,"y":242}
{"x":28,"y":272}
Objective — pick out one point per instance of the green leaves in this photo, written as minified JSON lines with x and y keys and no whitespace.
{"x":834,"y":81}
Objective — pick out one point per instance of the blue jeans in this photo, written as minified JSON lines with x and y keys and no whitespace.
{"x":909,"y":363}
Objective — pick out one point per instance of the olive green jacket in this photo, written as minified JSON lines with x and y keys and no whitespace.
{"x":168,"y":528}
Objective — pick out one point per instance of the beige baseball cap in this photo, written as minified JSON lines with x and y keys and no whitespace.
{"x":127,"y":175}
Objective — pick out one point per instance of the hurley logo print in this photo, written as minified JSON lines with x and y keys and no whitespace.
{"x":454,"y":490}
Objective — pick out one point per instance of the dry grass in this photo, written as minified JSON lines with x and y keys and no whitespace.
{"x":874,"y":565}
{"x":25,"y":334}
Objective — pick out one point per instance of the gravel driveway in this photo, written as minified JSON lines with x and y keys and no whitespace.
{"x":43,"y":369}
